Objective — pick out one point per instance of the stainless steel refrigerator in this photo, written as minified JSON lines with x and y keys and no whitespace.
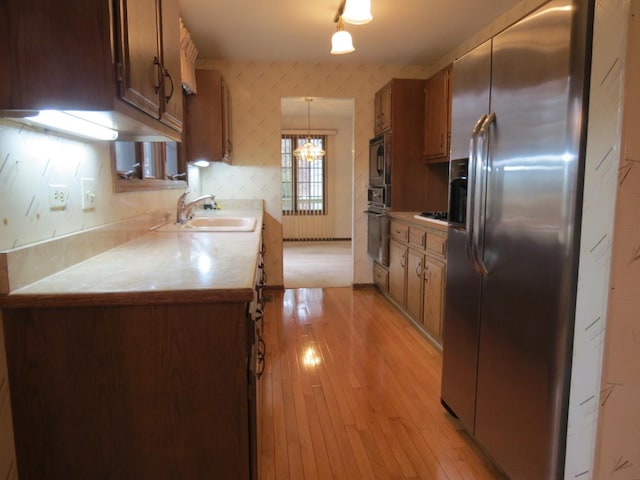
{"x":517,"y":150}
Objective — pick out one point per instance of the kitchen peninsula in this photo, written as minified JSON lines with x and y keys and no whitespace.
{"x":139,"y":362}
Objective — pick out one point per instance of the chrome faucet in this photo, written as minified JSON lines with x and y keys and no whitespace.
{"x":184,"y":210}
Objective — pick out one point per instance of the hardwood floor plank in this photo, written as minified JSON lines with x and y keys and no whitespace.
{"x":266,"y":444}
{"x":323,"y":463}
{"x":310,"y":471}
{"x":352,"y":390}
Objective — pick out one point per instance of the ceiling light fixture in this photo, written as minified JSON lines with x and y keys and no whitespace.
{"x":341,"y":41}
{"x":357,"y":12}
{"x":309,"y":151}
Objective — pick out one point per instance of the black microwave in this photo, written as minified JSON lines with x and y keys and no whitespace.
{"x":380,"y":160}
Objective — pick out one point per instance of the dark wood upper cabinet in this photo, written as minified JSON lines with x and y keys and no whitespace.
{"x":139,"y":60}
{"x":437,"y":116}
{"x":383,"y":110}
{"x":171,"y":96}
{"x":149,"y":58}
{"x":402,"y":104}
{"x":208,"y":119}
{"x":73,"y":58}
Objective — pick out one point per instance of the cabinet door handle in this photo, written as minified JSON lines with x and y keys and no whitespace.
{"x":419,"y":269}
{"x":402,"y":259}
{"x":160,"y":72}
{"x":168,"y":75}
{"x":262,"y":352}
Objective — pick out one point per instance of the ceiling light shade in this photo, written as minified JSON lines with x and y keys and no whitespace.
{"x":357,"y":12}
{"x":309,"y":151}
{"x":341,"y":41}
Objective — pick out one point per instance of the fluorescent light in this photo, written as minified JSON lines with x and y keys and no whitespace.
{"x":70,"y":123}
{"x":357,"y":12}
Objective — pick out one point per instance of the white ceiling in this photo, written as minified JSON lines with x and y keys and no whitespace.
{"x":402,"y":31}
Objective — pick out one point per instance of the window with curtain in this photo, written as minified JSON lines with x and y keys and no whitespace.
{"x":303,"y":183}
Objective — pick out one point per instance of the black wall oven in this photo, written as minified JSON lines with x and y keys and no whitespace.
{"x":379,"y":198}
{"x":378,"y":223}
{"x":378,"y":235}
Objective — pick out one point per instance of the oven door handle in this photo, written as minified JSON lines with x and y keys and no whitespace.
{"x":374,"y":214}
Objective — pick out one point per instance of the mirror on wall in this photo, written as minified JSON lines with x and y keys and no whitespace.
{"x":148,"y":166}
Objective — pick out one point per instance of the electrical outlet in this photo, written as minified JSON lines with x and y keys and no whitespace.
{"x":88,"y":193}
{"x":58,"y":197}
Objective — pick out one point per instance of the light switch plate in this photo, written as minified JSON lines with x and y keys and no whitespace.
{"x":88,"y":194}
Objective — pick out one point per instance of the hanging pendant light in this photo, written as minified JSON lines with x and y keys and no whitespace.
{"x":341,"y":41}
{"x":308,"y":151}
{"x":357,"y":12}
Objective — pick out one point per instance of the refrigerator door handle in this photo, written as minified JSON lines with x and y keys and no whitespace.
{"x":471,"y":194}
{"x":483,"y":176}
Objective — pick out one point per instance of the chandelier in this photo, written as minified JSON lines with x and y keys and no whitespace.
{"x":309,"y":151}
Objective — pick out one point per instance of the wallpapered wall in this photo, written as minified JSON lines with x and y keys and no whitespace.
{"x":30,"y":161}
{"x":256,"y":89}
{"x":603,"y":156}
{"x":619,"y":416}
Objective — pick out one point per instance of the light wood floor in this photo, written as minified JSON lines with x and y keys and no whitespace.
{"x":317,"y":264}
{"x":352,"y":391}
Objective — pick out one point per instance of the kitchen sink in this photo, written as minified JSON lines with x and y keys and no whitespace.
{"x":212,"y":224}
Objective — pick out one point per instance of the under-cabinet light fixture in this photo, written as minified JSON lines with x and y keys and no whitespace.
{"x":71,"y":122}
{"x":201,"y":163}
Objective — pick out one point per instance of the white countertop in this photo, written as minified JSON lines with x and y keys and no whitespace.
{"x":164,"y":267}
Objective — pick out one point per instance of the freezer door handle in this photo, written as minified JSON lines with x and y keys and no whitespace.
{"x":471,"y":196}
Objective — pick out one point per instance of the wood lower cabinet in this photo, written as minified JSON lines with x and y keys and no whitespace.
{"x":433,"y":296}
{"x":417,"y":272}
{"x":415,"y":266}
{"x":8,"y":467}
{"x":397,"y":272}
{"x":380,"y":277}
{"x":131,"y":392}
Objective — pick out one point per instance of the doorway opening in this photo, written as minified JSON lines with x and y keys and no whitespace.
{"x":317,"y":196}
